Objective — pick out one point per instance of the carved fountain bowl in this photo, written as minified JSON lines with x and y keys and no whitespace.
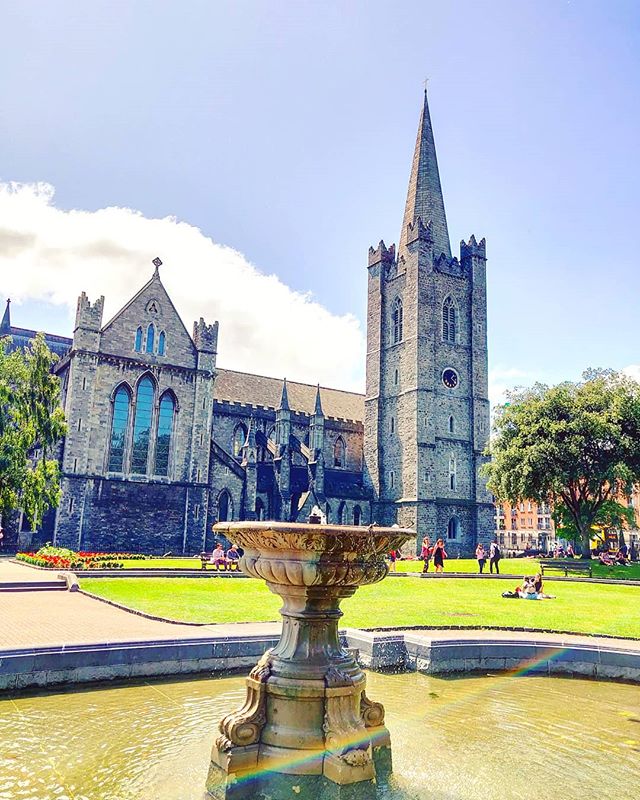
{"x":298,"y":554}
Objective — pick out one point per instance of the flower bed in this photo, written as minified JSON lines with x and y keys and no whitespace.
{"x":62,"y":558}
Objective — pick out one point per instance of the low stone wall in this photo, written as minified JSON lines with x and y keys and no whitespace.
{"x":376,"y":650}
{"x":410,"y":651}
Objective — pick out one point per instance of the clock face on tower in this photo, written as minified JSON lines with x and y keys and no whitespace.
{"x":450,"y":378}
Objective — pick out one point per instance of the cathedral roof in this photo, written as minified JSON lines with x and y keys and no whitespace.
{"x":424,"y":197}
{"x":258,"y":390}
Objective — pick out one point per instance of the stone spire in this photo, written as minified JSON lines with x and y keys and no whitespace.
{"x":424,"y":198}
{"x":318,"y":408}
{"x":284,"y":400}
{"x":5,"y":325}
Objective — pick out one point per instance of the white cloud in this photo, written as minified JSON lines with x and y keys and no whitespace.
{"x":51,"y":255}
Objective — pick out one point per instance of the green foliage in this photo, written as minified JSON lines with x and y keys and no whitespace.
{"x":610,"y":516}
{"x":575,"y":445}
{"x":31,"y":425}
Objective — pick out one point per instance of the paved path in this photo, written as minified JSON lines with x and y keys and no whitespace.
{"x":17,"y":573}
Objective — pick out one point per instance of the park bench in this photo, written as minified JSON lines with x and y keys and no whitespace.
{"x":205,"y":560}
{"x":566,"y":565}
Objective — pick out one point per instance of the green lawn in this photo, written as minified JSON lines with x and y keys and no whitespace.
{"x":581,"y":607}
{"x":162,"y":563}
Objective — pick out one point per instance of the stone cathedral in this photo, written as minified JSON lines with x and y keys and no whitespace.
{"x":162,"y":443}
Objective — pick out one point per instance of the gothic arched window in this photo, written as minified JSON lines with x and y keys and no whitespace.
{"x":151,"y":332}
{"x":161,"y":342}
{"x":448,"y":320}
{"x":357,"y":515}
{"x":341,"y":513}
{"x":142,"y":426}
{"x":225,"y":506}
{"x":239,"y":438}
{"x":138,"y":344}
{"x":339,"y":452}
{"x":397,"y":321}
{"x":452,"y":473}
{"x":452,"y":425}
{"x":119,"y":426}
{"x":165,"y":429}
{"x":453,"y":528}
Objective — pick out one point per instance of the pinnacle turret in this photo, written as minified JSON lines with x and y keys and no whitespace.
{"x":318,"y":407}
{"x":424,"y":197}
{"x":284,"y":400}
{"x":5,"y":325}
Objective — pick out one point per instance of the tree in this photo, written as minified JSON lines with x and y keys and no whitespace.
{"x":31,"y":426}
{"x":575,"y":445}
{"x":611,"y":515}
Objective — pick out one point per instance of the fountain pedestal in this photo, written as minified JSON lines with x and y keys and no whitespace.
{"x":307,"y":728}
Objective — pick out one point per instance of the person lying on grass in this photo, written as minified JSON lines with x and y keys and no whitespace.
{"x":531,"y":589}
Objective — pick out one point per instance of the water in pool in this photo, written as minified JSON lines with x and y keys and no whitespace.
{"x":468,"y":738}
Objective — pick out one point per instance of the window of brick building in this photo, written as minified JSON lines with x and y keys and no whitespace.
{"x":397,"y":321}
{"x":449,"y":320}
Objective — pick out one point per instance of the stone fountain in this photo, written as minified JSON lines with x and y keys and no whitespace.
{"x":307,"y":728}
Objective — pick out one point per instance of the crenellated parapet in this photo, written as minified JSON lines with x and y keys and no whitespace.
{"x":382,"y":254}
{"x":473,"y":249}
{"x":205,"y":337}
{"x":418,"y":231}
{"x":88,"y":316}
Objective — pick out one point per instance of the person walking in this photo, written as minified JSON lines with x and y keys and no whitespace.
{"x":481,"y":557}
{"x":425,"y":553}
{"x":494,"y":557}
{"x":393,"y":556}
{"x":439,"y":555}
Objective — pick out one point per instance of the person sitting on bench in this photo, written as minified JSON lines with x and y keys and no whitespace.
{"x":218,"y":557}
{"x":233,"y":556}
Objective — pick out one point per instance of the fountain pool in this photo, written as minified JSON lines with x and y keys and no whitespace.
{"x":478,"y":737}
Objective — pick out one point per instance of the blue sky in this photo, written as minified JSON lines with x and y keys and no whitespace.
{"x":285,"y":131}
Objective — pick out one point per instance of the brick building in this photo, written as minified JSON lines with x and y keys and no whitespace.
{"x":162,"y":443}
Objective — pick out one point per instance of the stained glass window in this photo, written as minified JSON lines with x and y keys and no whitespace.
{"x":161,"y":340}
{"x":150,"y":337}
{"x":139,"y":340}
{"x":119,"y":425}
{"x":142,"y":427}
{"x":165,"y":429}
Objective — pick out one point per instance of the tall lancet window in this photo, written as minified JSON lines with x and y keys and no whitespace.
{"x":142,"y":427}
{"x":397,"y":321}
{"x":453,"y":481}
{"x":138,"y":345}
{"x":339,"y":450}
{"x":449,"y":322}
{"x":150,"y":338}
{"x":239,"y":438}
{"x":119,"y":425}
{"x":166,"y":413}
{"x":161,"y":341}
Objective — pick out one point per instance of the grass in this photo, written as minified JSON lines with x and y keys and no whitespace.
{"x":579,"y":607}
{"x":161,"y":563}
{"x":508,"y":566}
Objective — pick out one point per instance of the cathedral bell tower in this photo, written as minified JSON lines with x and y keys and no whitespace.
{"x":426,"y":406}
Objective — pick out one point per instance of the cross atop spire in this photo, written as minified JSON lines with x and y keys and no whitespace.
{"x":424,"y":197}
{"x":6,"y":317}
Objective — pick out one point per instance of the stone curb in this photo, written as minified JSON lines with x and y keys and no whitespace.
{"x":378,"y":651}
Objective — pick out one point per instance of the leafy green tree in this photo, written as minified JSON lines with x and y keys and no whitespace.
{"x":575,"y":445}
{"x":611,"y":515}
{"x":31,"y":426}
